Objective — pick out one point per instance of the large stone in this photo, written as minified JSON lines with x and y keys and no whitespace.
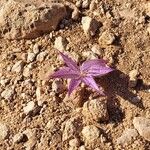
{"x":18,"y":20}
{"x":143,"y":126}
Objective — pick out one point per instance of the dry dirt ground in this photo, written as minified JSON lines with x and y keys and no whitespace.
{"x":35,"y":112}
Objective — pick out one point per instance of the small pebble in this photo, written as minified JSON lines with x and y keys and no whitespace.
{"x":36,"y":49}
{"x":60,"y":43}
{"x":78,"y":3}
{"x":74,"y":142}
{"x":96,"y":49}
{"x":29,"y":107}
{"x":26,"y":72}
{"x":82,"y":147}
{"x":7,"y":94}
{"x":89,"y":26}
{"x":85,"y":4}
{"x":4,"y":131}
{"x":133,"y":78}
{"x":106,"y":38}
{"x":143,"y":126}
{"x":18,"y":138}
{"x":41,"y":56}
{"x":18,"y":66}
{"x":75,"y":14}
{"x":31,"y":57}
{"x":90,"y":133}
{"x":93,"y":5}
{"x":4,"y":82}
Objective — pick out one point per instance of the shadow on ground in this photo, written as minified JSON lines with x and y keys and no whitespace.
{"x":115,"y":85}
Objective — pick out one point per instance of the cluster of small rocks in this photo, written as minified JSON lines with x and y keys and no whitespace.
{"x":141,"y":126}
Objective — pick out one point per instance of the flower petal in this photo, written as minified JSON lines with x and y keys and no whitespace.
{"x":69,"y":62}
{"x":92,"y":63}
{"x":90,"y":82}
{"x":65,"y":72}
{"x":98,"y":71}
{"x":73,"y":84}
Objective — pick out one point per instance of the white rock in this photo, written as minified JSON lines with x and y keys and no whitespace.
{"x":96,"y":110}
{"x":107,"y":38}
{"x":85,"y":4}
{"x":8,"y":93}
{"x":18,"y":138}
{"x":31,"y":57}
{"x":41,"y":56}
{"x":29,"y":108}
{"x":90,"y":133}
{"x":96,"y":49}
{"x":74,"y":142}
{"x":75,"y":14}
{"x":89,"y":55}
{"x":4,"y":131}
{"x":36,"y":49}
{"x":4,"y":82}
{"x":93,"y":5}
{"x":127,"y":136}
{"x":60,"y":43}
{"x":143,"y":126}
{"x":26,"y":72}
{"x":82,"y":147}
{"x":89,"y":26}
{"x":18,"y":66}
{"x":78,"y":3}
{"x":133,"y":78}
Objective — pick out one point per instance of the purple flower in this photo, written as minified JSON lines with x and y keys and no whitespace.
{"x":83,"y":73}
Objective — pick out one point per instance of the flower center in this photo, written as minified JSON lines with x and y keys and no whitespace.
{"x":82,"y":74}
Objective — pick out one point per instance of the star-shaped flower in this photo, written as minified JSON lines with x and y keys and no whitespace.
{"x":84,"y":73}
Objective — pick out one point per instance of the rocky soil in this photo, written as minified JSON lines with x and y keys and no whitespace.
{"x":36,"y":112}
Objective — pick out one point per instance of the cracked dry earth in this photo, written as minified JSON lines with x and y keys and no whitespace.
{"x":36,"y":113}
